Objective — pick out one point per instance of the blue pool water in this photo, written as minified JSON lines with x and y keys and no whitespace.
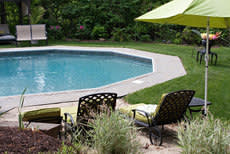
{"x":62,"y":70}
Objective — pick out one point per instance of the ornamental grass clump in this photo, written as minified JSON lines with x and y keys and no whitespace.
{"x":113,"y":134}
{"x":205,"y":136}
{"x":21,"y":102}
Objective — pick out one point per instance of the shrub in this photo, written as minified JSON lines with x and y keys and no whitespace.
{"x":190,"y":37}
{"x":55,"y":32}
{"x":98,"y":32}
{"x":205,"y":136}
{"x":113,"y":134}
{"x":82,"y":32}
{"x":118,"y":35}
{"x":177,"y":39}
{"x":145,"y":37}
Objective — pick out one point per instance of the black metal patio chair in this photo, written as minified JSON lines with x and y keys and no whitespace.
{"x":171,"y":109}
{"x":89,"y":106}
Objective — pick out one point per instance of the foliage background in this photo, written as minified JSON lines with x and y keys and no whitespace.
{"x":107,"y":19}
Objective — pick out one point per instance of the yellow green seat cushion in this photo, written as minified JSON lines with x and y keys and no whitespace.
{"x":152,"y":109}
{"x":139,"y":115}
{"x":42,"y":115}
{"x":50,"y":115}
{"x":72,"y":110}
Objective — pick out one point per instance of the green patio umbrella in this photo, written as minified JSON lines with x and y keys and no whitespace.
{"x":195,"y":13}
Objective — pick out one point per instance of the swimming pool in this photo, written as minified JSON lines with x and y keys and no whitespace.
{"x":61,"y":70}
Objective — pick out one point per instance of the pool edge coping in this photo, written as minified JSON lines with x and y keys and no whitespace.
{"x":163,"y":66}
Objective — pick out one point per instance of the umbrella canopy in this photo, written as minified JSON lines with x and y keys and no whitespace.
{"x":195,"y":13}
{"x":191,"y":13}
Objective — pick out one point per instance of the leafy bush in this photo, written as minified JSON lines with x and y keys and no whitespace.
{"x":98,"y":32}
{"x":117,"y":18}
{"x":37,"y":14}
{"x":177,"y":39}
{"x":190,"y":37}
{"x":165,"y":32}
{"x":145,"y":37}
{"x":83,"y":32}
{"x":55,"y":32}
{"x":118,"y":35}
{"x":113,"y":134}
{"x":205,"y":136}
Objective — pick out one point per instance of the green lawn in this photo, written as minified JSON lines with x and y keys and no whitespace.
{"x":218,"y":83}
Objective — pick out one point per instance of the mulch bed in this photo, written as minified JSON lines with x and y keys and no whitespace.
{"x":14,"y":140}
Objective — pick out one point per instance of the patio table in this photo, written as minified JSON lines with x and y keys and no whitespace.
{"x":197,"y":102}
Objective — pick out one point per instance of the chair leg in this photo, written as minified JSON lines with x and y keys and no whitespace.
{"x":197,"y":56}
{"x":201,"y":55}
{"x":216,"y":56}
{"x":216,"y":59}
{"x":211,"y":57}
{"x":155,"y":134}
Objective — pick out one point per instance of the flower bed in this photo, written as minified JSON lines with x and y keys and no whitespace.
{"x":26,"y":141}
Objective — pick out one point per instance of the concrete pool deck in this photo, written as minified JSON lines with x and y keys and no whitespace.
{"x":165,"y":68}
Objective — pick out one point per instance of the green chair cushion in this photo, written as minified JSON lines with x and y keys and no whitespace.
{"x":51,"y":115}
{"x":128,"y":111}
{"x":159,"y":104}
{"x":42,"y":115}
{"x":139,"y":116}
{"x":72,"y":110}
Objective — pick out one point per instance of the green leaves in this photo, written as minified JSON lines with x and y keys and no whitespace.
{"x":205,"y":136}
{"x":21,"y":102}
{"x":114,"y":134}
{"x":37,"y":14}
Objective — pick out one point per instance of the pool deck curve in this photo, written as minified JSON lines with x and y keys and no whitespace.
{"x":166,"y":68}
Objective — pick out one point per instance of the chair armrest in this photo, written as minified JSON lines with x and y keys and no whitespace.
{"x":71,"y":118}
{"x":147,"y":115}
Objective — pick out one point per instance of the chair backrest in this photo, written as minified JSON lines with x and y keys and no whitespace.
{"x":23,"y":32}
{"x":173,"y":107}
{"x":4,"y":29}
{"x":91,"y":105}
{"x":39,"y":32}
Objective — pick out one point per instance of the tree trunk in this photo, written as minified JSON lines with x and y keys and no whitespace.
{"x":3,"y":13}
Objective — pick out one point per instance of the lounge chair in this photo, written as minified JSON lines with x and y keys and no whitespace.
{"x":5,"y":35}
{"x":73,"y":115}
{"x":31,"y":33}
{"x":23,"y":33}
{"x":171,"y":109}
{"x":49,"y":115}
{"x":39,"y":32}
{"x":89,"y":106}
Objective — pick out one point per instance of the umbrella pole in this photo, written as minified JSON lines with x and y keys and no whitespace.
{"x":206,"y":69}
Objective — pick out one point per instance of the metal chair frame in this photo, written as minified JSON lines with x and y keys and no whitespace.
{"x":172,"y":109}
{"x":89,"y":106}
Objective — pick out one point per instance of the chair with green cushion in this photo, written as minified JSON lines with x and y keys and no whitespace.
{"x":49,"y":115}
{"x":171,"y":109}
{"x":88,"y":107}
{"x":46,"y":115}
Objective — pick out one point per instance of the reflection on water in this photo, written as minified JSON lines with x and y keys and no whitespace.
{"x":59,"y":72}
